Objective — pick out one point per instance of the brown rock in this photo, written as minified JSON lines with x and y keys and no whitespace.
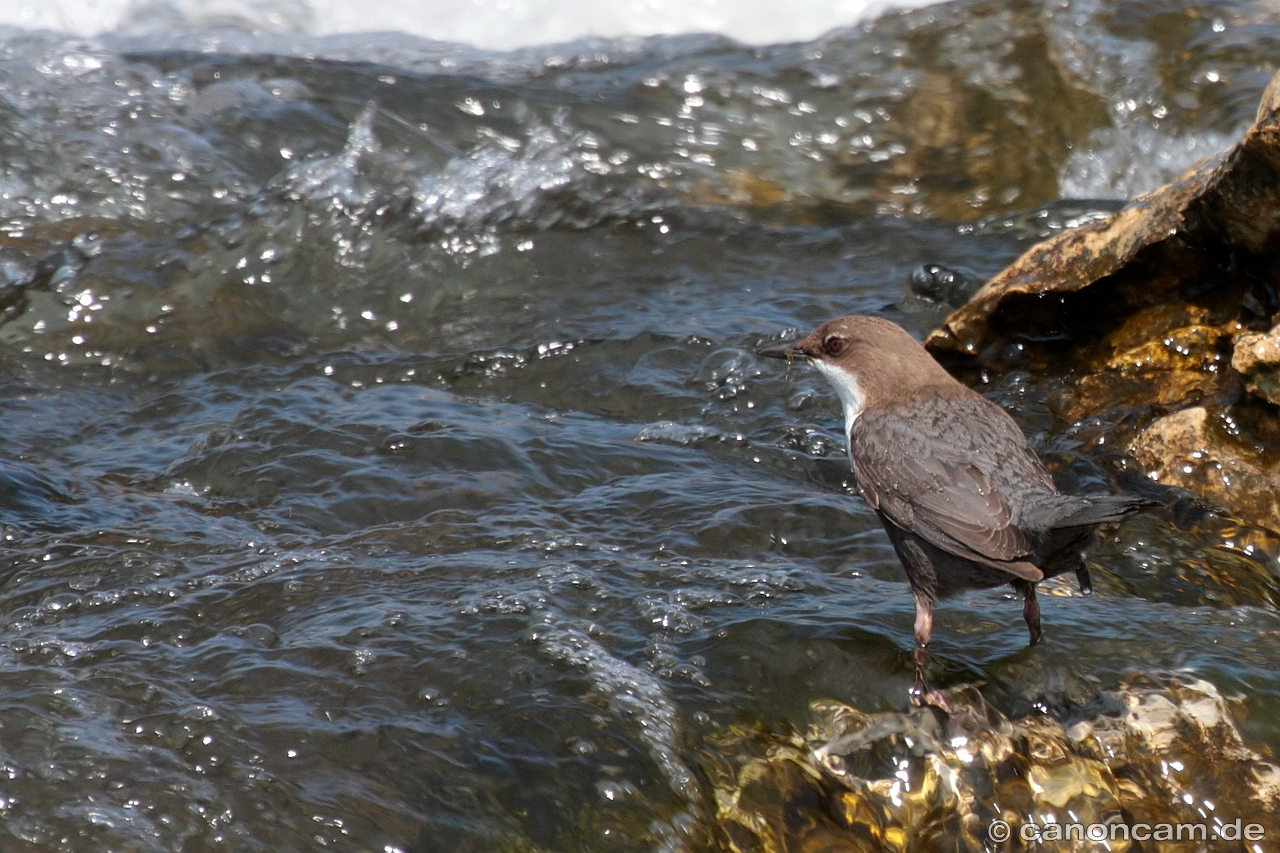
{"x":1148,"y":308}
{"x":1147,"y":360}
{"x":1192,"y":449}
{"x":1257,"y":359}
{"x":1156,"y":250}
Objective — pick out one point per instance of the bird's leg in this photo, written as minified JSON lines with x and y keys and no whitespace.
{"x":1030,"y":610}
{"x":1082,"y":575}
{"x":924,"y":628}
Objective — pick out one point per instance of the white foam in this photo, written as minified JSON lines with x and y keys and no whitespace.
{"x":1124,"y":163}
{"x":497,"y":24}
{"x":1137,"y":152}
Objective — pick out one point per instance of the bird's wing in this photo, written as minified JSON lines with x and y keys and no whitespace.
{"x":939,"y":472}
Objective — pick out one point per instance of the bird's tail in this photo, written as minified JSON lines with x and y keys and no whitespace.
{"x":1088,"y":510}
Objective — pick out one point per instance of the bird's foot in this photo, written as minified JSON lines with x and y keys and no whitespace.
{"x":921,"y":698}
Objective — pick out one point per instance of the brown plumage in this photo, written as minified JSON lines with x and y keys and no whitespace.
{"x":966,"y":503}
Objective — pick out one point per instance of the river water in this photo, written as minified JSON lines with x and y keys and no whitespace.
{"x":384,"y":463}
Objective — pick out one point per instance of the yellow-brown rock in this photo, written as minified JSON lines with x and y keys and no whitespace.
{"x":925,"y":780}
{"x":1194,"y":449}
{"x":1257,"y":359}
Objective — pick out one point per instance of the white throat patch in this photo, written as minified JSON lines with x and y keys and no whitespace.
{"x":846,"y":385}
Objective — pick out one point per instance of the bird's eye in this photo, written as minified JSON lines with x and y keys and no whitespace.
{"x":834,"y":345}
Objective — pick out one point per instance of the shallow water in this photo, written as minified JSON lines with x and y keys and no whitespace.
{"x":384,"y":462}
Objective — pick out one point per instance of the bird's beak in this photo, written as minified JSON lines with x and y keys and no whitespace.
{"x":788,"y":351}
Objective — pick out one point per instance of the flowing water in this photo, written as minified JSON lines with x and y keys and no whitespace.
{"x":384,"y":463}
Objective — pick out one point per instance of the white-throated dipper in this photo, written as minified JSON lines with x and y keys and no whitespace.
{"x":966,"y":503}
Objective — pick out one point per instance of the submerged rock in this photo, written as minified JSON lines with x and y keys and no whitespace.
{"x":1165,"y":311}
{"x":1154,"y":752}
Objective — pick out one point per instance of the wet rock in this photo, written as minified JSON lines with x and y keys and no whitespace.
{"x":1181,"y":243}
{"x":1193,"y":448}
{"x":1153,"y":752}
{"x":1257,"y":359}
{"x":1158,"y":309}
{"x":938,"y":283}
{"x":1166,"y":356}
{"x":932,"y":291}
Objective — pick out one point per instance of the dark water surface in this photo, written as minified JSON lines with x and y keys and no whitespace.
{"x":384,"y":465}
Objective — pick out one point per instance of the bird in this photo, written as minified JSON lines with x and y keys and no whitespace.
{"x":965,"y":501}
